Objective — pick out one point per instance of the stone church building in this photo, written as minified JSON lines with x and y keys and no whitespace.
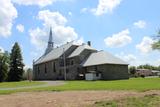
{"x":72,"y":62}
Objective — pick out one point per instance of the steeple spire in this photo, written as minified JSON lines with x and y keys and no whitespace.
{"x":50,"y":35}
{"x":50,"y":42}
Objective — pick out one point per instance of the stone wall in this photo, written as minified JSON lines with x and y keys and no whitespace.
{"x":111,"y":71}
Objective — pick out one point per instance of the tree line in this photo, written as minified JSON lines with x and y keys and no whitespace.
{"x":132,"y":69}
{"x":11,"y":65}
{"x":156,"y":44}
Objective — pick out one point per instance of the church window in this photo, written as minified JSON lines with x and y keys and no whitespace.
{"x":54,"y":66}
{"x":72,"y":62}
{"x":38,"y":70}
{"x":45,"y":69}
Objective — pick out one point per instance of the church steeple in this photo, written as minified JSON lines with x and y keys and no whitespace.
{"x":50,"y":43}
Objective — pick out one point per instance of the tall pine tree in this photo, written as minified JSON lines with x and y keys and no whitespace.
{"x":16,"y":64}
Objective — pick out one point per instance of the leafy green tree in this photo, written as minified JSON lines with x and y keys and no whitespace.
{"x":16,"y":64}
{"x":132,"y":70}
{"x":4,"y":65}
{"x":156,"y":44}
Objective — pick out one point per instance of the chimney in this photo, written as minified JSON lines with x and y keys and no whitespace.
{"x":89,"y":43}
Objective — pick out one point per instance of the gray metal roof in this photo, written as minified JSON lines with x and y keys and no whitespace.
{"x":54,"y":54}
{"x":101,"y":57}
{"x":80,"y":49}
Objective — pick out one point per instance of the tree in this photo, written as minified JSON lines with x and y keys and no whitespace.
{"x":3,"y":67}
{"x":16,"y":64}
{"x":132,"y":70}
{"x":156,"y":44}
{"x":29,"y":74}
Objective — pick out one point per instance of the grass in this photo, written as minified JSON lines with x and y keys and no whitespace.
{"x":19,"y":84}
{"x":146,"y":101}
{"x":136,"y":84}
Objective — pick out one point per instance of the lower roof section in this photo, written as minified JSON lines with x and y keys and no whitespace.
{"x":101,"y":57}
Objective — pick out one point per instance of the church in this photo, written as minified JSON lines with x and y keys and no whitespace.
{"x":71,"y":61}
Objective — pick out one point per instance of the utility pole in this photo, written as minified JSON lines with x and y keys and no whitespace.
{"x":64,"y":61}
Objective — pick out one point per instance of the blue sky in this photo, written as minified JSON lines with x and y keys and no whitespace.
{"x":121,"y":27}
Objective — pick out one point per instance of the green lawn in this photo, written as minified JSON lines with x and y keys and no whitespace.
{"x":146,"y":101}
{"x":19,"y":84}
{"x":136,"y":84}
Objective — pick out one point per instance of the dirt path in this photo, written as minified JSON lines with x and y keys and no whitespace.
{"x":64,"y":99}
{"x":48,"y":83}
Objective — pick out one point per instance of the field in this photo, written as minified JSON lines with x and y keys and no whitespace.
{"x":19,"y":84}
{"x":145,"y":101}
{"x":135,"y":84}
{"x":135,"y":92}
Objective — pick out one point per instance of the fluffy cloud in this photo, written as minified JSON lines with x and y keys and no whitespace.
{"x":20,"y":28}
{"x":105,"y":6}
{"x":140,"y":24}
{"x":38,"y":38}
{"x":84,"y":10}
{"x":145,"y":45}
{"x":7,"y":14}
{"x":61,"y":32}
{"x":118,"y":40}
{"x":40,"y":3}
{"x":79,"y":41}
{"x":52,"y":18}
{"x":128,"y":58}
{"x":64,"y":34}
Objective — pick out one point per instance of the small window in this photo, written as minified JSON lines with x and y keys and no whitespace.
{"x":97,"y":74}
{"x":95,"y":68}
{"x":60,"y":73}
{"x":67,"y":70}
{"x":45,"y":69}
{"x":38,"y":70}
{"x":54,"y":66}
{"x":72,"y":62}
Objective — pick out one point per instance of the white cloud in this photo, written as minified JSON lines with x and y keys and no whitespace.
{"x":130,"y":57}
{"x":7,"y":14}
{"x":140,"y":24}
{"x":105,"y":6}
{"x":51,"y":18}
{"x":70,"y":13}
{"x":40,"y":3}
{"x":38,"y":38}
{"x":1,"y":50}
{"x":84,"y":10}
{"x":127,"y":57}
{"x":64,"y":34}
{"x":20,"y":28}
{"x":118,"y":40}
{"x":145,"y":45}
{"x":79,"y":41}
{"x":61,"y":32}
